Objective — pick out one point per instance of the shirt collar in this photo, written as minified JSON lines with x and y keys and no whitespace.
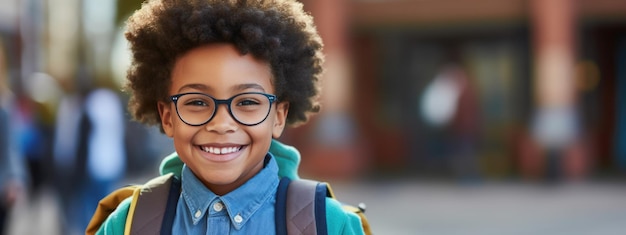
{"x":241,"y":203}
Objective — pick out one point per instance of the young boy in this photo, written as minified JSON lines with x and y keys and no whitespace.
{"x":223,"y":78}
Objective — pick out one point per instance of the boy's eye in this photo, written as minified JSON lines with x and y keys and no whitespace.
{"x":196,"y":103}
{"x":247,"y":102}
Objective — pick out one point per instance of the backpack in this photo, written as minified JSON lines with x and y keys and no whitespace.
{"x":300,"y":207}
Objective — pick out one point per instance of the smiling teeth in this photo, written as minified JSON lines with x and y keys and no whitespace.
{"x":221,"y":150}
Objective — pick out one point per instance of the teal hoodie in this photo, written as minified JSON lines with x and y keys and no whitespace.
{"x":339,"y":221}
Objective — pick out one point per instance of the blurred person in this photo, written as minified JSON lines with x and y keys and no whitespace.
{"x":8,"y":187}
{"x":90,"y":154}
{"x":68,"y":166}
{"x":32,"y":137}
{"x":450,"y":102}
{"x":12,"y":176}
{"x":106,"y":152}
{"x":465,"y":126}
{"x":223,"y":79}
{"x":32,"y":131}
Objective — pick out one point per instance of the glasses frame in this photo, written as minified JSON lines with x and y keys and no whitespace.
{"x":272,"y":99}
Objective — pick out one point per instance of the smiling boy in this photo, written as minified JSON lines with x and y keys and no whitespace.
{"x":223,"y":79}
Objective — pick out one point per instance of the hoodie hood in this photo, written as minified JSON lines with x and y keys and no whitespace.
{"x":287,"y":157}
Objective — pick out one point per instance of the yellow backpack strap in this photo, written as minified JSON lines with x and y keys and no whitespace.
{"x":360,"y":211}
{"x":106,"y":206}
{"x":148,"y":207}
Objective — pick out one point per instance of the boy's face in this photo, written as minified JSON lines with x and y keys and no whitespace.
{"x":222,"y":153}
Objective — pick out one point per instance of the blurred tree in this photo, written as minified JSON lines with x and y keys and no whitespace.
{"x":125,"y":8}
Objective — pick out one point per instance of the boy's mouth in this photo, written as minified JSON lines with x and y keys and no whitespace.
{"x":220,"y":150}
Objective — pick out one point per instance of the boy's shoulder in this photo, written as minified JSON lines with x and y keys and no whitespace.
{"x":342,"y":220}
{"x":112,"y":211}
{"x":339,"y":219}
{"x":115,"y":223}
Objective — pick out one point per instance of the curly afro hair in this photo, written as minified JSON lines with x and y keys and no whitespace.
{"x":277,"y":31}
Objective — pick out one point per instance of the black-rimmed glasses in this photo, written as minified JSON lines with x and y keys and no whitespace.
{"x":196,"y":109}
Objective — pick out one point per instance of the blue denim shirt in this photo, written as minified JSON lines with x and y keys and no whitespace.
{"x":248,"y":209}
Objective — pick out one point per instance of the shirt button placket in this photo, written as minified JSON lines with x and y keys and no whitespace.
{"x":218,"y":206}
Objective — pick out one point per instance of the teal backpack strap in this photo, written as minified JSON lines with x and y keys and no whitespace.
{"x":155,"y":206}
{"x":301,"y":207}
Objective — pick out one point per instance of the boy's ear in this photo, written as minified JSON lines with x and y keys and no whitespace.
{"x":165,"y":112}
{"x":282,"y":109}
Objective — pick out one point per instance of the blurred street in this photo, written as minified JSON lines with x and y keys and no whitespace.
{"x":491,"y":208}
{"x":426,"y":207}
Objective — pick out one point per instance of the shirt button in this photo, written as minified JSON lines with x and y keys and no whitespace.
{"x":218,"y":206}
{"x":238,"y":219}
{"x":198,"y":214}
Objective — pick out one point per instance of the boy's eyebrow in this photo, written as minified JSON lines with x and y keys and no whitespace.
{"x":246,"y":86}
{"x":239,"y":87}
{"x":196,"y":86}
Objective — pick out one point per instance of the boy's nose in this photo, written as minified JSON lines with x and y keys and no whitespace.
{"x":222,"y":122}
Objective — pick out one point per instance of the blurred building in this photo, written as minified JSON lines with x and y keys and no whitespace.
{"x":540,"y":94}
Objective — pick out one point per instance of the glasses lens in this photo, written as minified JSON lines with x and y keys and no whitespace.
{"x":195,"y":109}
{"x":250,"y":108}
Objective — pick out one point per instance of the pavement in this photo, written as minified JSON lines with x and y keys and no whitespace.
{"x":429,"y":208}
{"x":441,"y":208}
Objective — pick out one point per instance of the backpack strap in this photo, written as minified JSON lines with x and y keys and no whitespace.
{"x":106,"y":206}
{"x":153,"y":206}
{"x":280,"y":210}
{"x":360,"y":211}
{"x":170,"y":210}
{"x":301,"y":207}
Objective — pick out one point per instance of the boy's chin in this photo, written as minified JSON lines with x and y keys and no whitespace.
{"x":221,"y":181}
